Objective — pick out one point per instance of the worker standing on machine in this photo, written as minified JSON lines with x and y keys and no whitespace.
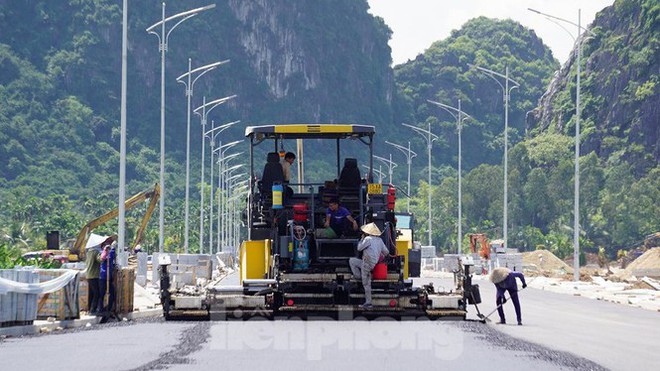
{"x":505,"y":280}
{"x":373,"y":249}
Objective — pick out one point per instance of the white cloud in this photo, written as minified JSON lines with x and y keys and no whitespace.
{"x":416,"y":24}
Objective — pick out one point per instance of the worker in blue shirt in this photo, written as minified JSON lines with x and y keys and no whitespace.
{"x":338,"y":220}
{"x":106,"y":276}
{"x":505,"y":280}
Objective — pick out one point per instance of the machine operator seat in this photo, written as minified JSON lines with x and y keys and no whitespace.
{"x":349,"y":185}
{"x":349,"y":178}
{"x":272,"y":173}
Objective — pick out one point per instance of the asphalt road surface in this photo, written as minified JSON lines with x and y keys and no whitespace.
{"x":560,"y":332}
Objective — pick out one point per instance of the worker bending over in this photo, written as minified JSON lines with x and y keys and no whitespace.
{"x":373,"y":249}
{"x":505,"y":280}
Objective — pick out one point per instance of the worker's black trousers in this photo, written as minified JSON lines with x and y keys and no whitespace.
{"x":93,"y":292}
{"x":111,"y":296}
{"x":513,"y":293}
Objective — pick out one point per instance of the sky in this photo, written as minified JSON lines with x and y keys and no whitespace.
{"x":416,"y":24}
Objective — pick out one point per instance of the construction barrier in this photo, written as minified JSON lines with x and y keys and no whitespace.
{"x":17,"y":309}
{"x":62,"y":304}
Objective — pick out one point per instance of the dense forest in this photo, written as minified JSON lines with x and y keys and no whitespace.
{"x":329,"y":62}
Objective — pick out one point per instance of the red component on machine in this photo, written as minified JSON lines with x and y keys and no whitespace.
{"x":391,"y":197}
{"x":380,"y":271}
{"x":300,"y":213}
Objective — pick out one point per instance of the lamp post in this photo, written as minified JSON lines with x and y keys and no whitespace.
{"x":204,"y":116}
{"x":223,"y":205}
{"x":225,"y":214}
{"x":506,"y":91}
{"x":238,"y":189}
{"x":460,"y":116}
{"x":390,"y":165}
{"x":122,"y":129}
{"x":163,"y":37}
{"x":212,"y":198}
{"x":221,"y":150}
{"x":190,"y":84}
{"x":377,"y":171}
{"x":223,"y":182}
{"x":430,"y":138}
{"x":409,"y":156}
{"x":576,"y":202}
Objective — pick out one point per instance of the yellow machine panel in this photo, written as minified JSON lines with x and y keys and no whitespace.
{"x":402,"y":250}
{"x":255,"y":259}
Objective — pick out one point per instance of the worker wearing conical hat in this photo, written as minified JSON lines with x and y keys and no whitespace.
{"x":505,"y":280}
{"x":372,"y":248}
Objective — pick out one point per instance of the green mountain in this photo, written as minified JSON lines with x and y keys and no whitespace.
{"x":328,"y":61}
{"x":619,"y":192}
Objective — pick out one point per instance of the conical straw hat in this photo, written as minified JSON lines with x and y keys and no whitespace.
{"x":371,"y":229}
{"x":499,"y":274}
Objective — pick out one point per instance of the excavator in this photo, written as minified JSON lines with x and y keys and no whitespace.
{"x":290,"y":270}
{"x":77,"y":250}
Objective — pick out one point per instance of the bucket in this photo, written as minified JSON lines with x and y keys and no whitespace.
{"x":380,"y":271}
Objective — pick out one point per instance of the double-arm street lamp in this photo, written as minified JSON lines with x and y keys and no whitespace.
{"x":459,"y":116}
{"x":409,"y":156}
{"x":187,"y":80}
{"x":430,"y":138}
{"x":506,"y":91}
{"x":222,"y":200}
{"x":212,"y":198}
{"x":163,"y":38}
{"x":378,"y":172}
{"x":223,"y":186}
{"x":238,"y":189}
{"x":576,"y":202}
{"x":203,"y":113}
{"x":390,"y":166}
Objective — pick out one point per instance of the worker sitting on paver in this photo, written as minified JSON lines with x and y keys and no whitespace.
{"x":373,"y":249}
{"x":337,"y":220}
{"x":505,"y":280}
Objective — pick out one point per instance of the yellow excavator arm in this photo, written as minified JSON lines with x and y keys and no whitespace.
{"x":78,"y":249}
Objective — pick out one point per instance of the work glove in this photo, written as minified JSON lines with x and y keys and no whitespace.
{"x":524,"y":285}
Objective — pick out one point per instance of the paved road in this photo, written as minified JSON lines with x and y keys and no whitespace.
{"x":615,"y":336}
{"x":263,"y":345}
{"x":560,"y":332}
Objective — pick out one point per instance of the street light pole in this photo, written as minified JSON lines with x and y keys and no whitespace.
{"x":222,"y":199}
{"x":430,"y":138}
{"x":409,"y":156}
{"x":204,"y":115}
{"x":222,"y":181}
{"x":221,"y":150}
{"x":460,"y":116}
{"x":212,"y":135}
{"x":377,"y":171}
{"x":576,"y":202}
{"x":122,"y":130}
{"x":506,"y":91}
{"x":390,"y":165}
{"x":189,"y":93}
{"x":162,"y":46}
